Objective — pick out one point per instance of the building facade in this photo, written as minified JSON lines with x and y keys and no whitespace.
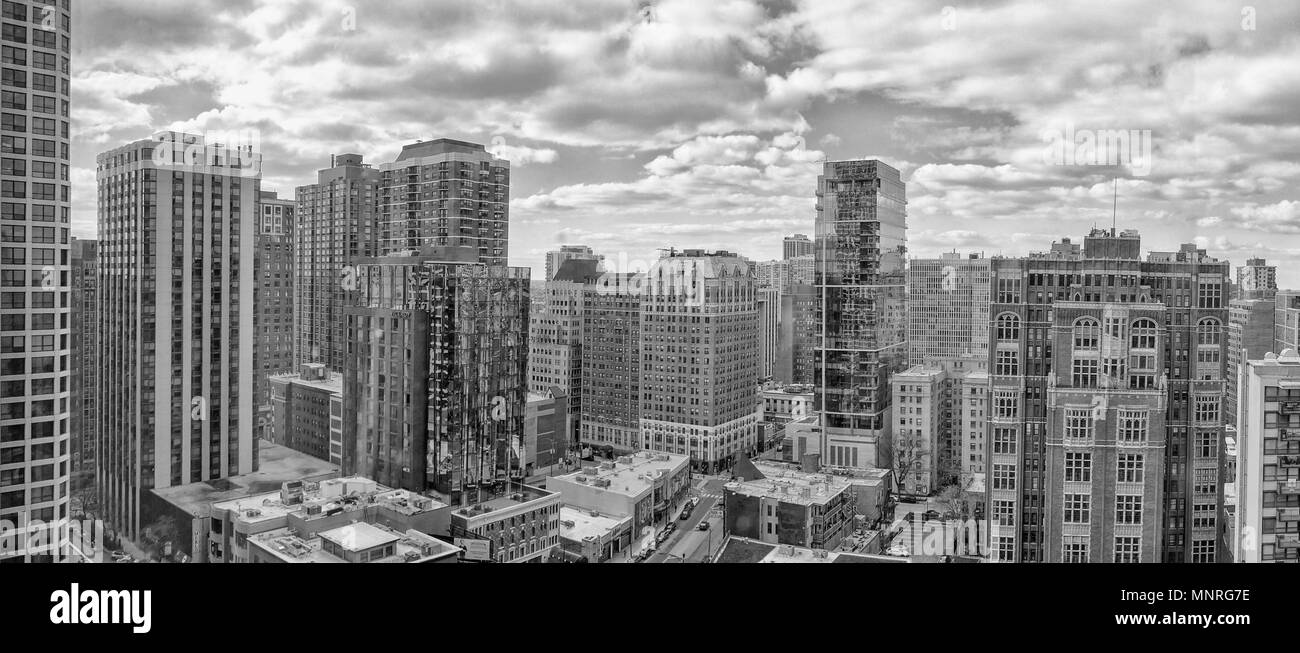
{"x":556,"y":259}
{"x":699,"y":367}
{"x":35,"y":268}
{"x":336,"y":223}
{"x":176,"y":320}
{"x":1267,"y":519}
{"x":436,"y":381}
{"x":861,"y":304}
{"x":1250,"y":334}
{"x":769,"y":330}
{"x":799,"y":330}
{"x":796,"y":246}
{"x":1256,"y":280}
{"x":611,"y":363}
{"x":273,"y":299}
{"x":555,"y":328}
{"x":646,"y":486}
{"x":792,"y":507}
{"x":1286,"y":320}
{"x":307,"y":412}
{"x":85,"y":361}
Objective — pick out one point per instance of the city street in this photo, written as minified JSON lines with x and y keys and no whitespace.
{"x":688,"y":544}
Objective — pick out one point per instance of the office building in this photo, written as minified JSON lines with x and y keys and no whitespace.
{"x":861,"y":305}
{"x":611,"y":364}
{"x":446,"y":193}
{"x":769,"y":330}
{"x":555,"y":336}
{"x":1256,"y":280}
{"x":176,"y":319}
{"x":273,"y":300}
{"x":948,"y":312}
{"x":699,"y":367}
{"x":556,"y":259}
{"x":336,"y":223}
{"x":1250,"y":328}
{"x":799,"y":332}
{"x":35,"y":271}
{"x":307,"y":412}
{"x":435,"y":389}
{"x":1267,"y":520}
{"x":796,"y":246}
{"x":84,"y":361}
{"x":1110,"y":451}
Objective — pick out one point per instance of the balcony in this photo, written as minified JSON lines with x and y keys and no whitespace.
{"x":1289,"y":406}
{"x":1289,"y":489}
{"x":1289,"y":541}
{"x":1288,"y":435}
{"x":1288,"y":461}
{"x":1288,"y":514}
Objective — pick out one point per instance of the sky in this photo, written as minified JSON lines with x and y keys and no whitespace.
{"x":635,"y":125}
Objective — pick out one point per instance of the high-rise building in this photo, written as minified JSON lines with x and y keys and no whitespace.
{"x":1250,"y":328}
{"x":611,"y":363}
{"x":861,"y":305}
{"x":1105,"y":398}
{"x":1267,"y":521}
{"x":769,"y":330}
{"x":555,"y":336}
{"x":307,"y":412}
{"x":948,"y":312}
{"x":799,"y":329}
{"x":273,"y":300}
{"x":556,"y":259}
{"x":446,"y":193}
{"x":85,"y":361}
{"x":795,"y":246}
{"x":336,"y":223}
{"x":799,"y":270}
{"x":699,"y":367}
{"x":1256,"y":279}
{"x":772,"y":274}
{"x":972,"y":409}
{"x":435,"y":385}
{"x":1286,"y":321}
{"x":176,"y":321}
{"x":35,"y":269}
{"x":919,"y":393}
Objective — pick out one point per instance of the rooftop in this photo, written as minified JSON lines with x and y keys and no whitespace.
{"x":328,"y":497}
{"x":411,"y":546}
{"x":577,"y":525}
{"x":506,"y":496}
{"x":629,"y":475}
{"x":277,"y":465}
{"x":791,"y":485}
{"x":359,"y":536}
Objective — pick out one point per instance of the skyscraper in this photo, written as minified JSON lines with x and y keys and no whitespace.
{"x":1256,"y":279}
{"x":796,"y":245}
{"x":799,"y":330}
{"x":435,"y":386}
{"x":336,"y":222}
{"x":34,"y":266}
{"x":446,"y":193}
{"x":177,"y":226}
{"x":555,"y":259}
{"x":611,"y":363}
{"x":273,"y":265}
{"x":699,"y":366}
{"x":555,"y":328}
{"x":861,"y":309}
{"x":84,"y":360}
{"x":1105,"y":397}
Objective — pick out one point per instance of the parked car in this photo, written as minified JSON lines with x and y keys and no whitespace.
{"x":686,"y":514}
{"x":931,"y":514}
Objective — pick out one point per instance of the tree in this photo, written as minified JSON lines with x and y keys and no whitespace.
{"x":957,"y":501}
{"x":158,"y":535}
{"x":84,"y":493}
{"x":906,"y":462}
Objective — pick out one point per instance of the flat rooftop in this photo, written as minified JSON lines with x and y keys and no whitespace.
{"x":628,"y":475}
{"x":513,"y":494}
{"x":332,"y":494}
{"x":333,"y":384}
{"x":577,"y":525}
{"x":277,"y":464}
{"x":789,"y":484}
{"x":359,"y":536}
{"x":411,"y":546}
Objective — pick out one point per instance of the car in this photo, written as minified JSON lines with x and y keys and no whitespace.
{"x":704,"y":526}
{"x":686,"y":514}
{"x":931,"y":514}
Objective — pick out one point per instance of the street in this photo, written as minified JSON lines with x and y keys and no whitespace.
{"x":688,"y":544}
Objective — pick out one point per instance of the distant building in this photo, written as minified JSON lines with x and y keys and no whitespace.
{"x":555,"y":328}
{"x":546,"y":438}
{"x":1267,"y":520}
{"x":611,"y":363}
{"x":273,"y":352}
{"x":84,"y":361}
{"x":948,"y":312}
{"x":769,"y":330}
{"x":972,"y":405}
{"x":918,"y":396}
{"x":786,"y":404}
{"x":1256,"y":280}
{"x":1286,"y":321}
{"x":795,"y":246}
{"x":555,"y":259}
{"x":794,"y":356}
{"x":1250,"y":328}
{"x":307,"y":412}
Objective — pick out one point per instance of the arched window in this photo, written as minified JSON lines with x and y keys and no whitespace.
{"x":1087,"y":333}
{"x":1008,"y":327}
{"x":1144,"y":334}
{"x":1208,"y":332}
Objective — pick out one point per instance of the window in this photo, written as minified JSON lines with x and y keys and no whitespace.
{"x":1008,"y":363}
{"x":1004,"y":477}
{"x":1078,"y":508}
{"x":1074,"y":549}
{"x":1202,"y":551}
{"x":1207,"y":444}
{"x":1129,"y":468}
{"x":1004,"y":513}
{"x":1004,"y":441}
{"x":1206,"y":482}
{"x":1078,"y":467}
{"x":1008,"y":328}
{"x":1006,"y":404}
{"x":1208,"y":332}
{"x":1128,"y":509}
{"x":1083,"y":373}
{"x":1128,"y":550}
{"x":1144,"y":334}
{"x":1132,"y":427}
{"x":1078,"y":425}
{"x":1210,"y":295}
{"x":1087,"y":334}
{"x":1207,"y":409}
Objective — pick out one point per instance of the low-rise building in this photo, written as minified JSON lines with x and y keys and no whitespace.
{"x":786,"y":505}
{"x":513,"y":523}
{"x":786,"y":404}
{"x":594,"y":536}
{"x":739,"y":550}
{"x":355,"y":543}
{"x":647,"y":486}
